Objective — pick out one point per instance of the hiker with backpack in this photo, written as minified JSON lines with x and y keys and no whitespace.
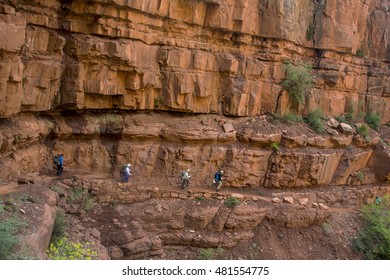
{"x":125,"y":172}
{"x":185,"y":178}
{"x":218,"y":176}
{"x":59,"y":163}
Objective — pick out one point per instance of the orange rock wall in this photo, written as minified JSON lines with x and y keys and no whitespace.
{"x":161,"y":145}
{"x":190,"y":55}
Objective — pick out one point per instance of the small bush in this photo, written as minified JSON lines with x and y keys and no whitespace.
{"x":58,"y":228}
{"x":341,"y":119}
{"x":373,"y":240}
{"x":27,"y":198}
{"x":310,"y":32}
{"x":231,"y":202}
{"x":55,"y":188}
{"x":9,"y":239}
{"x":64,"y":249}
{"x":373,"y":120}
{"x":75,"y":195}
{"x":360,"y":53}
{"x":89,"y":203}
{"x":363,"y":131}
{"x":360,"y":175}
{"x":291,"y":118}
{"x":316,"y":120}
{"x":298,"y":82}
{"x":275,"y":146}
{"x":210,"y":254}
{"x":327,"y":228}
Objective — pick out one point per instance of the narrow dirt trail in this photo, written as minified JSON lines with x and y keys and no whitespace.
{"x":6,"y":188}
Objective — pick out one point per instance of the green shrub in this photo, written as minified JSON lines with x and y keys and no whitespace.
{"x":363,"y":131}
{"x":64,"y":249}
{"x":292,"y":118}
{"x":360,"y":53}
{"x":298,"y":82}
{"x":316,"y":120}
{"x":310,"y":32}
{"x":59,"y":227}
{"x":88,"y":204}
{"x":231,"y":202}
{"x":75,"y":195}
{"x":9,"y":239}
{"x":327,"y":228}
{"x":350,"y":116}
{"x":373,"y":240}
{"x":55,"y":188}
{"x":373,"y":120}
{"x":289,"y":118}
{"x":275,"y":146}
{"x":210,"y":254}
{"x":341,"y":119}
{"x":360,"y":175}
{"x":27,"y":198}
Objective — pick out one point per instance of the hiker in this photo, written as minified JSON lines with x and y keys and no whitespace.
{"x":218,"y":179}
{"x":185,"y":178}
{"x":59,"y":162}
{"x":126,"y":172}
{"x":377,"y":200}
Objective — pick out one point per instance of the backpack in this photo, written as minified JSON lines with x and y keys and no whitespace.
{"x":123,"y":169}
{"x":56,"y":160}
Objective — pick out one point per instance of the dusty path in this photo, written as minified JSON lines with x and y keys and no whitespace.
{"x":259,"y":193}
{"x":8,"y":187}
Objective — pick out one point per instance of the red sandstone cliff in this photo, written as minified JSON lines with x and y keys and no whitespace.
{"x":223,"y":57}
{"x":192,"y":55}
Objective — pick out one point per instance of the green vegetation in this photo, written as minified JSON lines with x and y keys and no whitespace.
{"x":292,"y":118}
{"x":373,"y":240}
{"x":55,"y":188}
{"x":316,"y":120}
{"x":231,"y":202}
{"x":289,"y":118}
{"x":108,"y":118}
{"x":373,"y":120}
{"x":298,"y":82}
{"x":59,"y":227}
{"x":9,"y":239}
{"x":310,"y":32}
{"x":327,"y":228}
{"x":351,"y":114}
{"x":360,"y":53}
{"x":27,"y":198}
{"x":64,"y":249}
{"x":75,"y":195}
{"x":360,"y":175}
{"x":88,"y":204}
{"x":275,"y":146}
{"x":159,"y":102}
{"x":363,"y":131}
{"x":210,"y":253}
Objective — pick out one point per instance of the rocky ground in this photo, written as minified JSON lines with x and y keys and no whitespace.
{"x":105,"y":224}
{"x":153,"y":219}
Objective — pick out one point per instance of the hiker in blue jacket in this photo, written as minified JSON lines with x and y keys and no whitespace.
{"x":59,"y":163}
{"x":218,"y":179}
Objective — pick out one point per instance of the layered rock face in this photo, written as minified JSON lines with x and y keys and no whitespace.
{"x":161,"y":145}
{"x":61,"y":59}
{"x":191,"y":55}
